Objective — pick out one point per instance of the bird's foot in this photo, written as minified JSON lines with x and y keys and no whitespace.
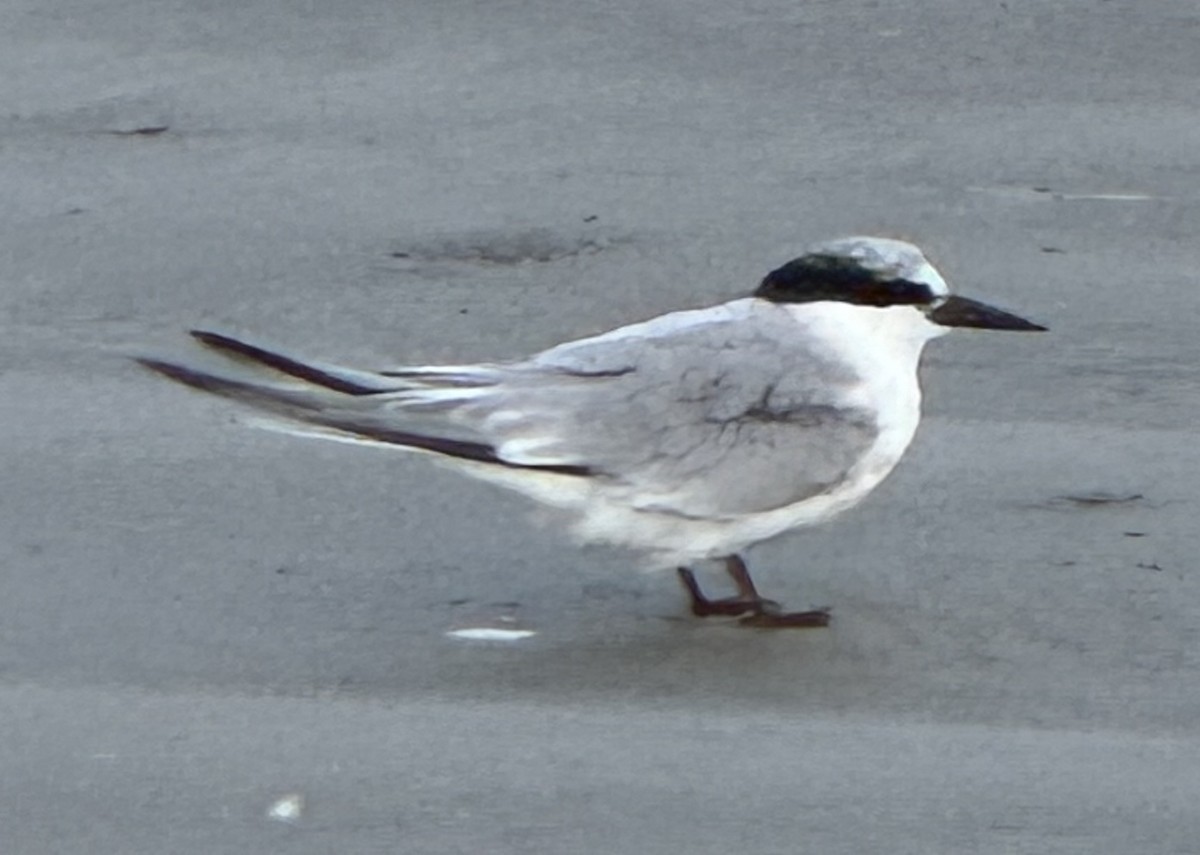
{"x":750,"y":608}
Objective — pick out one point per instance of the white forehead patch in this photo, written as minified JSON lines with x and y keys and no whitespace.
{"x":895,"y":257}
{"x":928,"y":274}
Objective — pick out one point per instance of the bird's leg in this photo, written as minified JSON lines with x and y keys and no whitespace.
{"x":757,"y":610}
{"x":702,"y":606}
{"x":740,"y":573}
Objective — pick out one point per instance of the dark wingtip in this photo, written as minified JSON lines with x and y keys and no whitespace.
{"x":179,"y":373}
{"x":218,"y":341}
{"x":264,"y":397}
{"x":280,"y":363}
{"x":214,"y":339}
{"x":276,"y":399}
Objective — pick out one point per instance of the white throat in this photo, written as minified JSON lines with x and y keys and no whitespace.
{"x":899,"y":331}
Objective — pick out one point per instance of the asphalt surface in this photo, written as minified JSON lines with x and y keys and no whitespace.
{"x":214,"y":639}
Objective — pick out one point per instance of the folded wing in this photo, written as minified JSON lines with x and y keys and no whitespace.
{"x":722,"y":411}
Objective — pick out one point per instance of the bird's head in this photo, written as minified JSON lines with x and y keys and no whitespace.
{"x":881,"y":272}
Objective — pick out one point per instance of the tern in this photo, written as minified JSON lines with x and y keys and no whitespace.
{"x":686,"y":438}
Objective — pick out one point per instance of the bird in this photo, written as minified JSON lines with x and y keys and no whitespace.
{"x":686,"y":438}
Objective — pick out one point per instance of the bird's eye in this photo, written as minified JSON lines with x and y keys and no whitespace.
{"x":878,"y":294}
{"x":894,"y":292}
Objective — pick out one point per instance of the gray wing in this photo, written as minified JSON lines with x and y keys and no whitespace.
{"x":722,"y":411}
{"x":732,"y":415}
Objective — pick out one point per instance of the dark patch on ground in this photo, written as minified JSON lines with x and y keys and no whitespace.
{"x":538,"y":246}
{"x":147,"y":131}
{"x":1097,"y":500}
{"x":1091,"y":500}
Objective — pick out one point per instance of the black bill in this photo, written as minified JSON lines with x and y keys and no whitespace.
{"x":962,"y":312}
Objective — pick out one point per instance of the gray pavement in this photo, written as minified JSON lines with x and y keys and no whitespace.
{"x":199,"y":621}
